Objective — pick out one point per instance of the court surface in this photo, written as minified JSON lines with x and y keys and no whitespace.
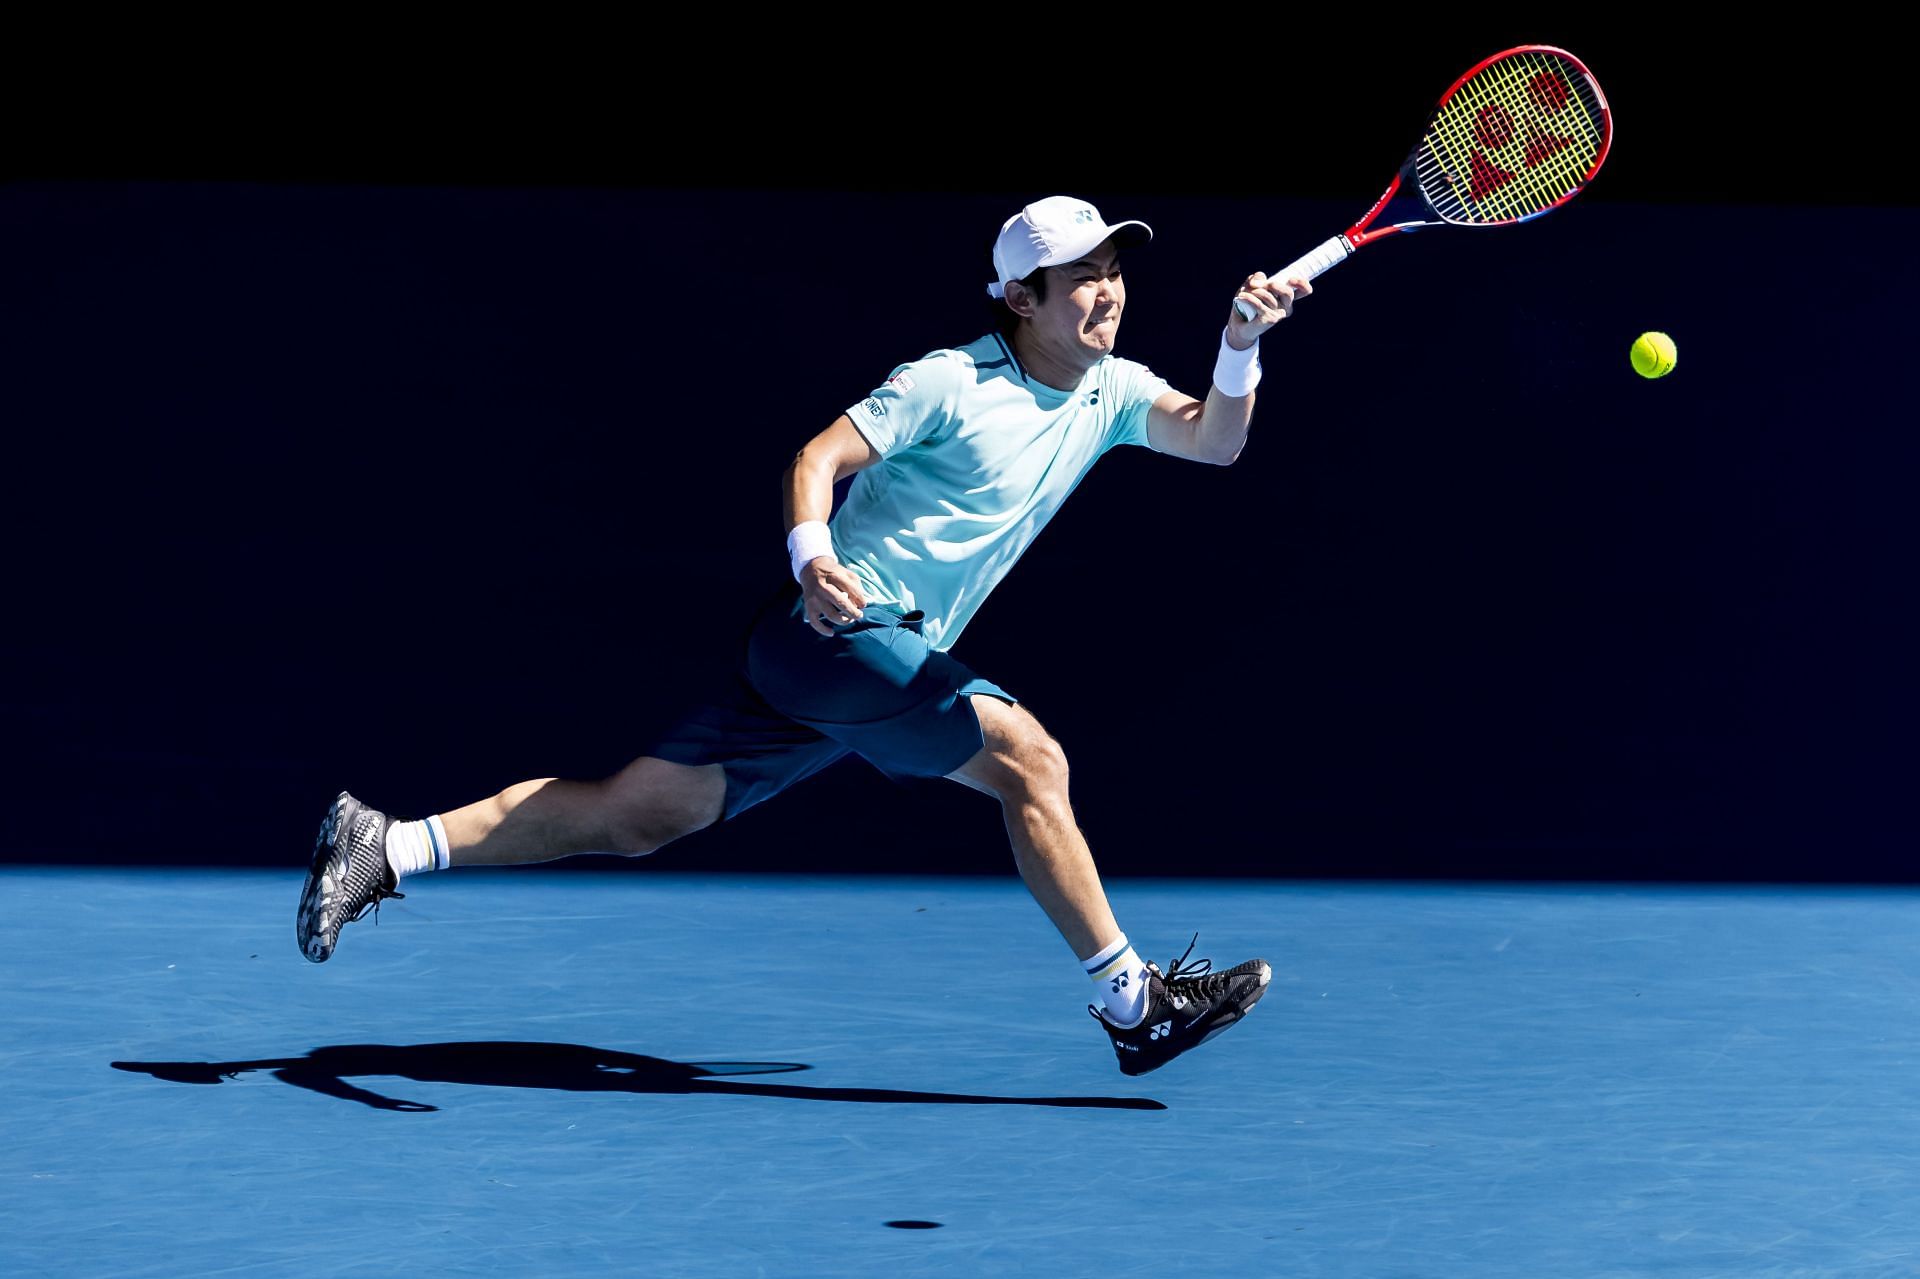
{"x":558,"y":1074}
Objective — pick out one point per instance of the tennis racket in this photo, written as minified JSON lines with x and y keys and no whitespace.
{"x":1516,"y":137}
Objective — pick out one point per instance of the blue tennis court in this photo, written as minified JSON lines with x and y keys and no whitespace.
{"x":542,"y":1073}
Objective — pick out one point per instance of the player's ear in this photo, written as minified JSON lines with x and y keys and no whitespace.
{"x":1019,"y":299}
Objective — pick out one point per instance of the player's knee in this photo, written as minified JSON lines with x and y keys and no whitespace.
{"x":650,"y":804}
{"x":636,"y":831}
{"x":1052,"y":764}
{"x":1021,"y":761}
{"x":1039,"y":765}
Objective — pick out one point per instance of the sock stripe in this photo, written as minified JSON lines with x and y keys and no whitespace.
{"x":437,"y":834}
{"x":414,"y":847}
{"x":1104,"y":957}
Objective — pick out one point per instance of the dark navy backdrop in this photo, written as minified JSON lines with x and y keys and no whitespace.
{"x":423,"y":488}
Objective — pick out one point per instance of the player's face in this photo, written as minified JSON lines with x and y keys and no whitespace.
{"x":1084,"y":301}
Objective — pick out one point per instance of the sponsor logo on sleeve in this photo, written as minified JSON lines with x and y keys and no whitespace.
{"x":900,"y":382}
{"x":874,"y":407}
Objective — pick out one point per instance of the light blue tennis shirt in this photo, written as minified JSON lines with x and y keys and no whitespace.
{"x":976,"y":456}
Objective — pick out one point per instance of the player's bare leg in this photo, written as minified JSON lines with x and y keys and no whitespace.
{"x":646,"y":805}
{"x":1026,"y":770}
{"x":361,"y":853}
{"x":1149,"y":1016}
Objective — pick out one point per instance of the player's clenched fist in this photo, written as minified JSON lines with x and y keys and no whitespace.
{"x":1272,"y":301}
{"x":832,"y":594}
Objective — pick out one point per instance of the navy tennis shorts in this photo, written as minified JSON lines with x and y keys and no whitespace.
{"x":799,"y":700}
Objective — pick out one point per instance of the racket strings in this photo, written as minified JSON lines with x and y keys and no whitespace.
{"x":1521,"y":135}
{"x":1518,"y":104}
{"x":1508,"y":122}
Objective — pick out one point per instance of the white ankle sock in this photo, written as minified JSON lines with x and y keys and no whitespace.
{"x":1121,"y":978}
{"x":416,"y":846}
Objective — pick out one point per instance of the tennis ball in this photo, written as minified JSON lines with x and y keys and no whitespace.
{"x":1654,"y":355}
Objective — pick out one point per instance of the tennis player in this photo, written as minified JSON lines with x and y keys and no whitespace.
{"x":960,"y":458}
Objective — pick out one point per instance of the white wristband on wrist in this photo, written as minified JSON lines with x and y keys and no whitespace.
{"x":1236,"y":373}
{"x":808,"y":542}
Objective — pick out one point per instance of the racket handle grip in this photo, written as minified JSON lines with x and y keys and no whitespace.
{"x":1311,"y":267}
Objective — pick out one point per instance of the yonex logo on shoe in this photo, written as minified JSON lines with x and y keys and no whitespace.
{"x":1162,"y":1031}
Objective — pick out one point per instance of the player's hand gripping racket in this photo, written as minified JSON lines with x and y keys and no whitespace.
{"x":1516,"y":137}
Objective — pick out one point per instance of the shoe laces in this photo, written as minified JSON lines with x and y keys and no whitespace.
{"x":1194,"y":980}
{"x":380,"y":893}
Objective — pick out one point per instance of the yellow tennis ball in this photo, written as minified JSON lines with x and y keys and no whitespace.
{"x":1654,"y":355}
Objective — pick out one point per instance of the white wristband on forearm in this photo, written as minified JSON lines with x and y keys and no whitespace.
{"x":1236,"y":373}
{"x":808,"y":542}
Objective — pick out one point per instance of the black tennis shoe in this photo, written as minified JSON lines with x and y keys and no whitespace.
{"x":349,"y":876}
{"x":1186,"y":1006}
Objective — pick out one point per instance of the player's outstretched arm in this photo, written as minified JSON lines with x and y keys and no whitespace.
{"x":1214,"y":430}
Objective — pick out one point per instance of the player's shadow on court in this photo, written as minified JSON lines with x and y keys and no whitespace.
{"x":567,"y":1067}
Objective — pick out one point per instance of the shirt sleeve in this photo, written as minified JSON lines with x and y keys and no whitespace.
{"x":1139,"y":386}
{"x":910,"y":406}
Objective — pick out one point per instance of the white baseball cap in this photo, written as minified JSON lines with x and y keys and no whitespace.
{"x":1060,"y":228}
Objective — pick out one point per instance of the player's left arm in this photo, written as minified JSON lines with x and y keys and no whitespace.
{"x":1214,"y":430}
